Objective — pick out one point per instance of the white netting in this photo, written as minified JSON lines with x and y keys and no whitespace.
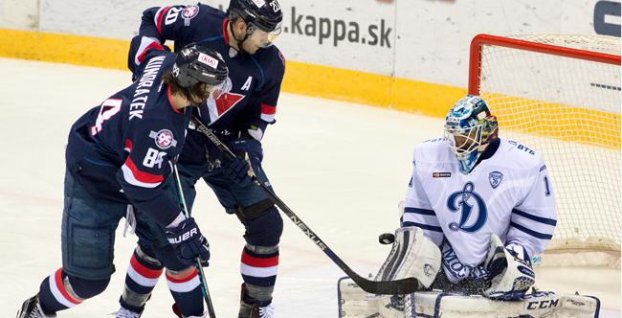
{"x":568,"y":110}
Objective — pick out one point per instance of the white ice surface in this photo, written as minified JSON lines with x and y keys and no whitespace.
{"x":342,"y":168}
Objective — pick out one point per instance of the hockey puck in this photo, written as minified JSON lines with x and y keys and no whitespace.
{"x":386,"y":238}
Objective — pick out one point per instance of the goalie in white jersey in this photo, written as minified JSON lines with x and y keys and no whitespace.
{"x":486,"y":202}
{"x":478,"y":208}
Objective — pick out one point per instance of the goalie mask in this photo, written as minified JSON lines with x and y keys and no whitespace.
{"x":470,"y":126}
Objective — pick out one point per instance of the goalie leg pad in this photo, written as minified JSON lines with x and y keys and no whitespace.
{"x":412,"y":255}
{"x":356,"y":303}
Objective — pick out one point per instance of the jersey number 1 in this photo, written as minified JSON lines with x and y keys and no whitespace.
{"x":547,"y":188}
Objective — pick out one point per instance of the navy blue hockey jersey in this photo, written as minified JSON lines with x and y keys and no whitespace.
{"x":121,"y":150}
{"x":255,"y":80}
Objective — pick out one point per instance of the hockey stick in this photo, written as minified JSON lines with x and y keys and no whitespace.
{"x":197,"y":264}
{"x":395,"y":287}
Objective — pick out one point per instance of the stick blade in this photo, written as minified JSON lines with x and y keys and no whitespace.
{"x":392,"y":287}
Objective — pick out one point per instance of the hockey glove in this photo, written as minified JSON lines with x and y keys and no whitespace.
{"x":237,"y":170}
{"x":243,"y":146}
{"x":510,"y":270}
{"x":188,"y":242}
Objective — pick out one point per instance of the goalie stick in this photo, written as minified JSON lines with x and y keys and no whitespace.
{"x":206,"y":294}
{"x":394,"y":287}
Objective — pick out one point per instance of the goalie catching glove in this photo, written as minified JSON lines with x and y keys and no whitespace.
{"x":510,"y":271}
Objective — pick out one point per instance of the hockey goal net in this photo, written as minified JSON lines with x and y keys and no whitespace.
{"x":560,"y":95}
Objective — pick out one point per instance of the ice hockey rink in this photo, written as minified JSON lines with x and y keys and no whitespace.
{"x":341,"y":167}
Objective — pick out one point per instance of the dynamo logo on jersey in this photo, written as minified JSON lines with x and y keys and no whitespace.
{"x":467,"y":202}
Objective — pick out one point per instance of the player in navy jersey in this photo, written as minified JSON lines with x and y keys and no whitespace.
{"x":118,"y":159}
{"x":244,"y":37}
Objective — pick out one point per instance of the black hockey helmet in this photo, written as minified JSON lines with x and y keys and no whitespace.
{"x":263,"y":14}
{"x":198,"y":64}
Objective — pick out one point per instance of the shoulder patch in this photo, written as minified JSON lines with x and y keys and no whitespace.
{"x":443,"y":174}
{"x":495,"y":179}
{"x":190,"y":12}
{"x":164,"y":139}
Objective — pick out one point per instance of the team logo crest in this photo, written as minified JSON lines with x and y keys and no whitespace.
{"x":495,"y":179}
{"x":470,"y":206}
{"x":190,"y":12}
{"x":225,"y":101}
{"x":163,"y":139}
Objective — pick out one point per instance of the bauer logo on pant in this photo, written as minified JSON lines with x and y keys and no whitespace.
{"x":163,"y":139}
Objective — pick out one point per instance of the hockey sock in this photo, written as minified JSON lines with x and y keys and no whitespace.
{"x":142,"y":276}
{"x":54,"y":294}
{"x":259,"y":267}
{"x":185,"y":287}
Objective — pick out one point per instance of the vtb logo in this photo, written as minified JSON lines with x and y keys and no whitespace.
{"x":468,"y":203}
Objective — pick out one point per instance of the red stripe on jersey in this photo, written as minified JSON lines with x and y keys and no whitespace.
{"x":259,"y":262}
{"x":160,"y":17}
{"x":143,"y":270}
{"x":182,"y":279}
{"x":58,"y":278}
{"x":142,"y":176}
{"x":152,"y":45}
{"x":128,"y":145}
{"x":268,"y":109}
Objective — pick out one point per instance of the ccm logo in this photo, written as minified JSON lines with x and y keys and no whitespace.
{"x":542,"y":304}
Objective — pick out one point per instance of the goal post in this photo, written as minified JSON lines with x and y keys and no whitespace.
{"x":560,"y":95}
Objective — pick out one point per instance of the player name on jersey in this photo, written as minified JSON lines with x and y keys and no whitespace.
{"x":144,"y":87}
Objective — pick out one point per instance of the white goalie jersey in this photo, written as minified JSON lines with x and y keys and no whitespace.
{"x":508,"y":194}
